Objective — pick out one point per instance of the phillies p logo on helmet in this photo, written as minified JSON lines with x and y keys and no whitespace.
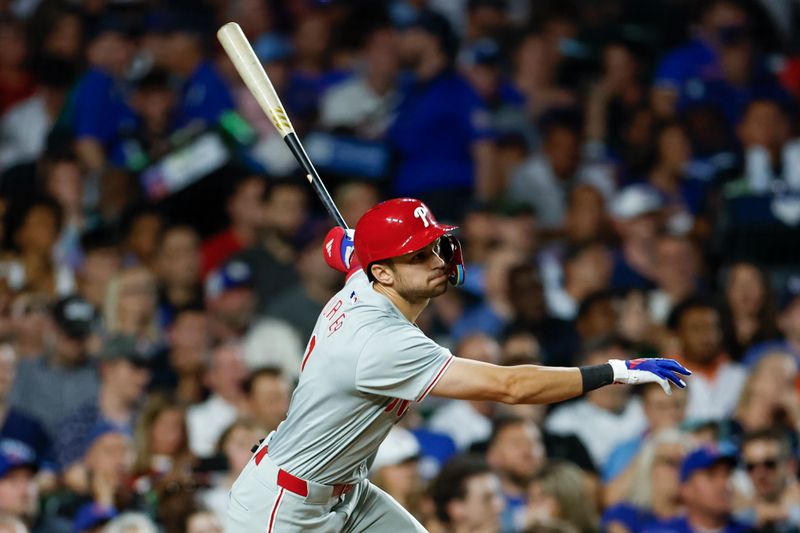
{"x":421,"y":213}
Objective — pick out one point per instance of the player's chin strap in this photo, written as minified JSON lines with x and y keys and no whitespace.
{"x":450,"y":249}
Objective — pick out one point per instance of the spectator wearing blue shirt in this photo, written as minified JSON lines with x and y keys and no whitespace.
{"x":97,"y":111}
{"x":441,"y":133}
{"x":699,"y":59}
{"x":204,"y":95}
{"x":707,"y":494}
{"x":124,"y":375}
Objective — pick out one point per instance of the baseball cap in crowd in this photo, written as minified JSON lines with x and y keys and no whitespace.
{"x":791,"y":292}
{"x":15,"y":454}
{"x":399,"y":446}
{"x":92,"y":515}
{"x":231,"y":275}
{"x":706,"y":457}
{"x":272,"y":47}
{"x":121,"y":346}
{"x":634,"y":201}
{"x":74,"y":316}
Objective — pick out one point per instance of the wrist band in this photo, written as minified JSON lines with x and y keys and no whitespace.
{"x":596,"y":376}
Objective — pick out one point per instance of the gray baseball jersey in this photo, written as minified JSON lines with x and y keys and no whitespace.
{"x":364,"y":364}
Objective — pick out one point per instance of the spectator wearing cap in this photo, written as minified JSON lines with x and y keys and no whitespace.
{"x":396,"y":469}
{"x":774,"y":504}
{"x":124,"y":374}
{"x":467,"y":496}
{"x":52,"y":386}
{"x":244,"y":206}
{"x":636,"y":211}
{"x":177,"y":268}
{"x":543,"y":180}
{"x":707,"y":494}
{"x":440,"y":109}
{"x":224,"y":378}
{"x":97,"y":111}
{"x":15,"y":425}
{"x":18,"y":490}
{"x":204,"y":95}
{"x":231,"y":305}
{"x":604,"y":418}
{"x":788,"y":322}
{"x":363,"y":104}
{"x":716,"y":382}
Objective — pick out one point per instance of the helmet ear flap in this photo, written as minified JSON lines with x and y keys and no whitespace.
{"x":450,"y":250}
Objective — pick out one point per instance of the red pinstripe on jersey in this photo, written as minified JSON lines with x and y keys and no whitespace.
{"x":274,"y":511}
{"x":311,"y":345}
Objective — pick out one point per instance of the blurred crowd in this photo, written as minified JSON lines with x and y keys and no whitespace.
{"x":626,"y":178}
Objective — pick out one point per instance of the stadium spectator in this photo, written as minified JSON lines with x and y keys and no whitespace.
{"x":181,"y":367}
{"x":102,"y":260}
{"x":204,"y":95}
{"x":544,"y":179}
{"x":663,"y":413}
{"x":268,"y":394}
{"x":362,"y":104}
{"x":9,"y":524}
{"x":587,"y":268}
{"x":637,"y":213}
{"x":748,"y":311}
{"x":32,"y":233}
{"x":775,"y":502}
{"x":224,"y":378}
{"x":204,"y":522}
{"x":396,"y":469}
{"x":177,"y":269}
{"x":716,"y":382}
{"x":653,"y":494}
{"x":130,"y":306}
{"x":244,"y":208}
{"x":515,"y":452}
{"x":16,"y":82}
{"x":788,"y":322}
{"x":769,"y":398}
{"x":676,"y":275}
{"x":706,"y":492}
{"x":353,"y":198}
{"x":140,"y":227}
{"x":18,"y":489}
{"x":558,"y":493}
{"x":235,"y":445}
{"x":300,"y":305}
{"x":603,"y":418}
{"x":123,"y":377}
{"x":63,"y":378}
{"x":29,"y":323}
{"x":446,"y":178}
{"x":467,"y":496}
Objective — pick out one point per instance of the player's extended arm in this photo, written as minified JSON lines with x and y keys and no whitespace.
{"x":474,"y":380}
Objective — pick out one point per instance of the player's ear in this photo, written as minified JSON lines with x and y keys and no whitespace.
{"x":382,"y":273}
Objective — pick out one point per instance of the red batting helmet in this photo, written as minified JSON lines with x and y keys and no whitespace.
{"x":395,"y":227}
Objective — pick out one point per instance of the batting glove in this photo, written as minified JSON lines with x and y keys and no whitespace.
{"x":338,"y":248}
{"x":655,"y":370}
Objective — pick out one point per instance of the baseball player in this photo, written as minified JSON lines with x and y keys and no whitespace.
{"x":364,"y":365}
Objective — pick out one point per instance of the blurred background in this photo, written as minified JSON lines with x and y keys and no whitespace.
{"x":626,"y":177}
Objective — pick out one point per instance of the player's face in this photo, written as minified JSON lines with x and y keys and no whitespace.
{"x":420,"y":274}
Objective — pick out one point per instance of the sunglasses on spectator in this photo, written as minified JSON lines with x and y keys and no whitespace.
{"x":769,"y":464}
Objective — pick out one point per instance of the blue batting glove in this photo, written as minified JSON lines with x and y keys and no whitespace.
{"x":655,"y":370}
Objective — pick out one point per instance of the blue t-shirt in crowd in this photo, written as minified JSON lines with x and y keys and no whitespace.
{"x":74,"y":438}
{"x":633,"y":518}
{"x":681,"y":525}
{"x":621,"y":457}
{"x":694,"y":60}
{"x":624,"y":277}
{"x":434,"y":130}
{"x":98,"y":108}
{"x":204,"y":96}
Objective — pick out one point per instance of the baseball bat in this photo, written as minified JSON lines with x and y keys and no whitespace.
{"x":252,"y":72}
